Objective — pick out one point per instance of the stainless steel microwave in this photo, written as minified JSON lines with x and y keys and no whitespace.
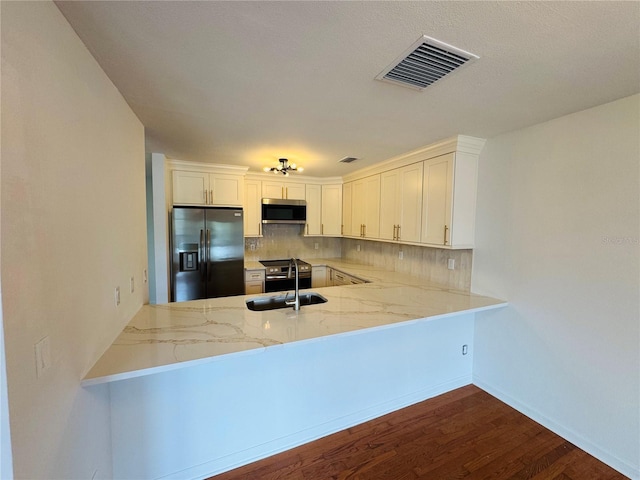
{"x":277,"y":210}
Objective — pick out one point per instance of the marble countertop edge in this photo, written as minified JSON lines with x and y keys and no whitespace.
{"x":126,"y":375}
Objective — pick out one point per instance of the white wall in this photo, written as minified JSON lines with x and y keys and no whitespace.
{"x":73,"y":228}
{"x":557,"y":235}
{"x":198,"y":421}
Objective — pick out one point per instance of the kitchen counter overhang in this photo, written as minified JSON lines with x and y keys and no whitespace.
{"x":170,"y":336}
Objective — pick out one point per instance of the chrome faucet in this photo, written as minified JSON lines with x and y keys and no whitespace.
{"x":296,"y":300}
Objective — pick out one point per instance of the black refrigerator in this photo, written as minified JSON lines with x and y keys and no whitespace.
{"x":207,"y":246}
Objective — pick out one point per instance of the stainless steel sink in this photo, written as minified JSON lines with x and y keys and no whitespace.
{"x":272,"y":303}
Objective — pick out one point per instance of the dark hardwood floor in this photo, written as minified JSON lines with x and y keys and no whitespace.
{"x":463,"y":434}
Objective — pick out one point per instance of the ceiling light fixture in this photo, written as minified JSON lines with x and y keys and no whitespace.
{"x":284,"y":168}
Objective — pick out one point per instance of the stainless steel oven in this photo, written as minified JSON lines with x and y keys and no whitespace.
{"x":280,"y":275}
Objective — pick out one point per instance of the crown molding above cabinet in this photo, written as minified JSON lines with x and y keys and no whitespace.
{"x":457,"y":144}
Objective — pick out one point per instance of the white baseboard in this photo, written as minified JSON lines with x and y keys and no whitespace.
{"x":614,"y":462}
{"x":278,"y":445}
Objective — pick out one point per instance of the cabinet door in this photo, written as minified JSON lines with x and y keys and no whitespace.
{"x":251,"y":288}
{"x":437,"y":194}
{"x":295,"y":191}
{"x":272,"y":190}
{"x":390,"y":204}
{"x":190,"y":188}
{"x":358,"y":198}
{"x":318,"y":277}
{"x":279,"y":189}
{"x":252,"y":208}
{"x":314,"y":214}
{"x":410,"y":200}
{"x":372,"y":207}
{"x":226,"y":190}
{"x":340,"y":278}
{"x":331,"y":210}
{"x":347,"y":223}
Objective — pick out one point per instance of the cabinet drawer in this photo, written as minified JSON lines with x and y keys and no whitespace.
{"x":254,"y":275}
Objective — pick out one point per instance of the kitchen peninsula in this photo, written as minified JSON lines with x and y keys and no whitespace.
{"x":234,"y":385}
{"x":177,"y":335}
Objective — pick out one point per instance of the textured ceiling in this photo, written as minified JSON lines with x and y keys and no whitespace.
{"x":245,"y":83}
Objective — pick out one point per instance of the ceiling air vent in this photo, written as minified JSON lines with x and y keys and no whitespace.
{"x":425,"y":62}
{"x":348,"y":160}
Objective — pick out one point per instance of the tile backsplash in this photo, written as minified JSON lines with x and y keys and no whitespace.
{"x":286,"y":241}
{"x":425,"y":262}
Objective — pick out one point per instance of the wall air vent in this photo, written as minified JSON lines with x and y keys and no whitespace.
{"x":348,"y":160}
{"x":425,"y":62}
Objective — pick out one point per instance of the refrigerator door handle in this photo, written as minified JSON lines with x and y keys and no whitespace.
{"x":201,"y":254}
{"x":208,"y":261}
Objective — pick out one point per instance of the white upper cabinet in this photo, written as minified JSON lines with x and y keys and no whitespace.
{"x":401,"y":203}
{"x":314,"y":210}
{"x":202,"y":188}
{"x":324,"y":207}
{"x":331,"y":210}
{"x":283,"y":190}
{"x":347,"y":215}
{"x":389,"y":204}
{"x":449,"y":200}
{"x":365,"y":207}
{"x":410,"y":203}
{"x":190,"y":188}
{"x":252,"y":208}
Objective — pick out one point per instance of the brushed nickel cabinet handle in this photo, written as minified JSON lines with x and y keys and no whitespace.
{"x":398,"y":234}
{"x":445,"y":234}
{"x":322,"y":229}
{"x":211,"y":197}
{"x":307,"y":229}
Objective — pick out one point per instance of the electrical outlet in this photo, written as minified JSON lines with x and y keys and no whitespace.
{"x":400,"y":254}
{"x":117,"y":296}
{"x":358,"y":247}
{"x":451,"y":264}
{"x":252,"y":247}
{"x":43,"y":356}
{"x":316,"y":246}
{"x":132,"y":285}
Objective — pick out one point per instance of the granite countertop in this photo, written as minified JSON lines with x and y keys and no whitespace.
{"x":176,"y":335}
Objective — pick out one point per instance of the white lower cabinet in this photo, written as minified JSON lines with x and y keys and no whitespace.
{"x":336,"y":278}
{"x":319,"y":276}
{"x":254,"y":281}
